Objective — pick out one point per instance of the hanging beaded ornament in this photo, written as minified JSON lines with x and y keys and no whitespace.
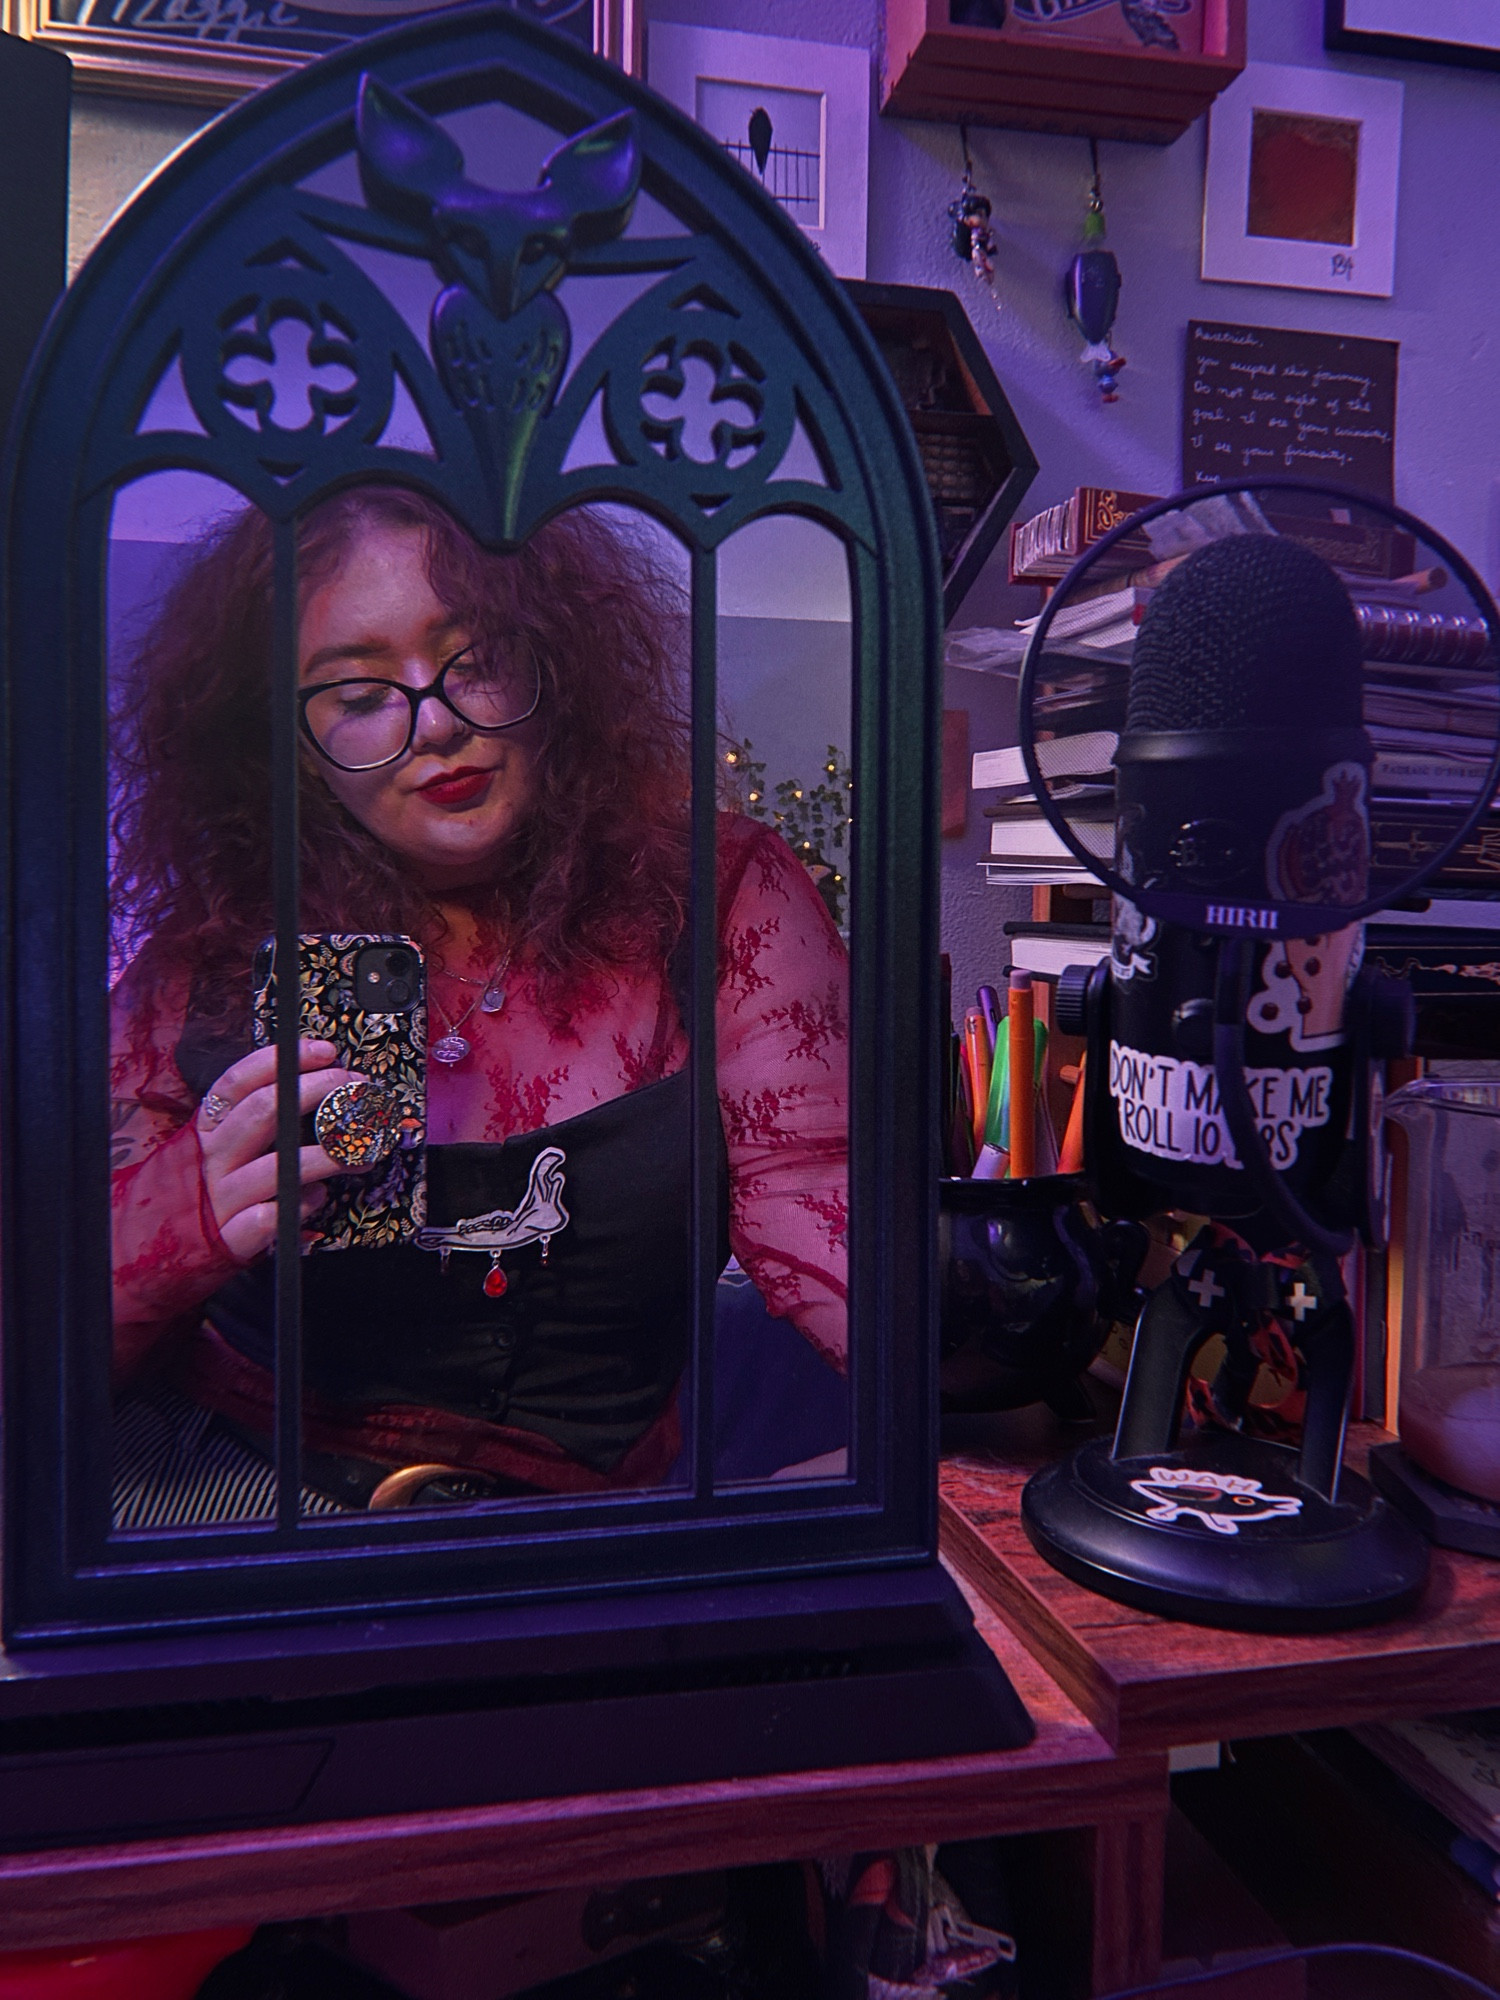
{"x":1091,"y":292}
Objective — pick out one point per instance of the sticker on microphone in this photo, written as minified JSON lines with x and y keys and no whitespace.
{"x":1304,"y":987}
{"x":1321,"y":852}
{"x":1170,"y":1108}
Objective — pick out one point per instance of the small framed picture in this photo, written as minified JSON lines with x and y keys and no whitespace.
{"x":1466,"y":32}
{"x":1301,"y":187}
{"x":796,"y":115}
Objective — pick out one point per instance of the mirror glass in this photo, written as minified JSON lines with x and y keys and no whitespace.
{"x":496,"y":916}
{"x":785,"y":672}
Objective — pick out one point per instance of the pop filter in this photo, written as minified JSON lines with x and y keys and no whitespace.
{"x":1264,"y":707}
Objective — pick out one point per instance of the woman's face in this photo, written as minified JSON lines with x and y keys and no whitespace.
{"x":448,"y":806}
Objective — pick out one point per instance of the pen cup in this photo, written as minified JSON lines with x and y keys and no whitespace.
{"x":1030,"y":1286}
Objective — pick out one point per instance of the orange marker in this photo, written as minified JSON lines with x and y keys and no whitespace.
{"x":1022,"y":1078}
{"x":1070,"y":1159}
{"x":978,"y":1055}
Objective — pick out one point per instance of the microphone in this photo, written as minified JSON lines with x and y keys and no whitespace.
{"x":1233,"y":1038}
{"x":1243,"y":777}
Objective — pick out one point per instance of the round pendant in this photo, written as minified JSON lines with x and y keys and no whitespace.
{"x":494,"y":998}
{"x":496,"y":1284}
{"x":450,"y":1048}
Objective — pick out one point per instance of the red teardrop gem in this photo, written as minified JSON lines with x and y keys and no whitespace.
{"x":496,"y":1284}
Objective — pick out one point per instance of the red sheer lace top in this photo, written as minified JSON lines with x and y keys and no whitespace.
{"x":783,"y":1088}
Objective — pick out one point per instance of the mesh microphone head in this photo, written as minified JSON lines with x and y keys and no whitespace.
{"x":1252,"y":632}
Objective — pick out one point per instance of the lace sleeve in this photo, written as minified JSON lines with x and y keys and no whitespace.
{"x":784,"y":1089}
{"x":167,"y":1253}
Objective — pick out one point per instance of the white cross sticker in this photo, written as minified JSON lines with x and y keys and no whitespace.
{"x":1300,"y":1301}
{"x":1205,"y":1290}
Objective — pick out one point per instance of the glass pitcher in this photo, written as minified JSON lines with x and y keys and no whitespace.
{"x":1449,"y":1411}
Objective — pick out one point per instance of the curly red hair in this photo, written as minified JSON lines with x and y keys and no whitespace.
{"x":595,"y":879}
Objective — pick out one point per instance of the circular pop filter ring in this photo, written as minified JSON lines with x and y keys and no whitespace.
{"x":1207,"y":912}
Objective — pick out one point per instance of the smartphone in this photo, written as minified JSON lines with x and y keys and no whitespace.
{"x":367,"y":994}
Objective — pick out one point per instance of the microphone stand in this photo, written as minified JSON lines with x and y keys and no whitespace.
{"x":1294,"y":1543}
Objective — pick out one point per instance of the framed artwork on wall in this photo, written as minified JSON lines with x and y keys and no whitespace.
{"x":214,"y":51}
{"x":795,"y":114}
{"x":1301,"y":184}
{"x":1466,"y":32}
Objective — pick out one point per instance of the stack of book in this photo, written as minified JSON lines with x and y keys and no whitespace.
{"x":1023,"y":846}
{"x":1046,"y":547}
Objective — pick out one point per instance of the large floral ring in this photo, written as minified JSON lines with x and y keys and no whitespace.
{"x":359,"y":1124}
{"x":213,"y":1107}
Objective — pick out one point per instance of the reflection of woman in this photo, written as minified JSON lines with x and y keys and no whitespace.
{"x":524,"y":816}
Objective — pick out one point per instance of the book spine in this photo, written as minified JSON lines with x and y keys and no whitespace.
{"x":1393,"y":769}
{"x":1403,"y":635}
{"x":1101,"y":508}
{"x":1045,"y":537}
{"x":1405,"y":840}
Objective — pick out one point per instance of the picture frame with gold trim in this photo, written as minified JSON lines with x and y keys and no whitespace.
{"x":215,"y":51}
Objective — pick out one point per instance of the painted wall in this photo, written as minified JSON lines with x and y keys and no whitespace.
{"x":1445,"y":311}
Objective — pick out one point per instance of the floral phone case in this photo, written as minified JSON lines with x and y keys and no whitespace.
{"x":387,"y":1204}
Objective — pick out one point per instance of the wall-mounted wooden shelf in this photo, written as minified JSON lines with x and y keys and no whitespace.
{"x":1095,"y":83}
{"x":975,"y":455}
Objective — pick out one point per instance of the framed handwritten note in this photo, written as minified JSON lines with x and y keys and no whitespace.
{"x":1261,"y":399}
{"x":213,"y":51}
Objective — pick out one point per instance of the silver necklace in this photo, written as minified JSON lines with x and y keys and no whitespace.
{"x":452,"y":1045}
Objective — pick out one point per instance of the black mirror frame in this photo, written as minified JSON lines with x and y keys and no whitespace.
{"x":152,"y":281}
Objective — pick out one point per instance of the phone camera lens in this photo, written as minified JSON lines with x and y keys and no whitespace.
{"x":399,"y":993}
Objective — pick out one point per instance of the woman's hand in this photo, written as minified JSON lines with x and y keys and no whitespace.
{"x":237,"y":1136}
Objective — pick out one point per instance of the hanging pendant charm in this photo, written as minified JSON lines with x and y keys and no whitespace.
{"x":496,"y":1284}
{"x":970,"y":213}
{"x":1091,"y":293}
{"x":546,"y":1248}
{"x":450,"y":1048}
{"x":494,"y":998}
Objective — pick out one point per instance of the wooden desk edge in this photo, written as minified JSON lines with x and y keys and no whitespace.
{"x":1264,"y":1698}
{"x":1052,"y":1643}
{"x":85,"y":1895}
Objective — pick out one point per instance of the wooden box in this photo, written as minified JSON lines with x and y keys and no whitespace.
{"x":1068,"y":68}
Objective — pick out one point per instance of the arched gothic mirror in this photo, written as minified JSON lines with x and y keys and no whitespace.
{"x":471,"y":621}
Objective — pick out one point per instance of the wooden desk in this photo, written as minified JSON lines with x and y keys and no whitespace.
{"x":1148,"y":1683}
{"x":1067,"y":1779}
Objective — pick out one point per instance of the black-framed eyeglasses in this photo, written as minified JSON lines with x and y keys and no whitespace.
{"x":358,"y":725}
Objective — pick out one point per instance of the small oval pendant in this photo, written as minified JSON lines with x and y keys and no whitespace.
{"x":450,"y":1049}
{"x":493,"y":1000}
{"x":496,"y":1284}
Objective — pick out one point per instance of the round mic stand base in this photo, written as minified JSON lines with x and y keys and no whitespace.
{"x":1445,"y":1514}
{"x":1221,"y":1531}
{"x":1216,"y":1526}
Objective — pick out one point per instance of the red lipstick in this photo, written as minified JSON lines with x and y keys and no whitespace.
{"x":456,"y":788}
